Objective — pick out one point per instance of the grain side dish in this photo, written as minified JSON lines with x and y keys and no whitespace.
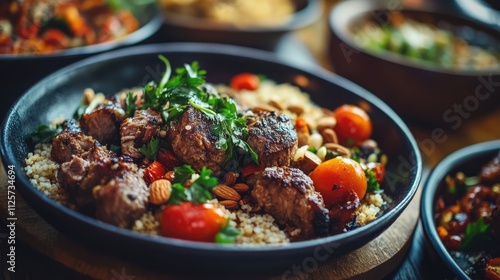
{"x":33,"y":27}
{"x":251,"y":162}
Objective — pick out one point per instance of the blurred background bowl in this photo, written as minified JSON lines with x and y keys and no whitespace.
{"x":468,"y":160}
{"x":265,"y":35}
{"x":19,"y":72}
{"x":418,"y":92}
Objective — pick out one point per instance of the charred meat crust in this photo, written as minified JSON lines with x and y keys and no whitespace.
{"x":343,"y":215}
{"x":104,"y":122}
{"x":273,"y":138}
{"x":138,"y":130}
{"x":490,"y":173}
{"x":71,"y":141}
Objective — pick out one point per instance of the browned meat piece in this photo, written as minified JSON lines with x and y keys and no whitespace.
{"x":343,"y":215}
{"x":288,"y":195}
{"x":122,"y":200}
{"x":472,"y":202}
{"x":495,"y":220}
{"x":273,"y":138}
{"x":103,"y":123}
{"x":490,"y":173}
{"x":138,"y":130}
{"x":193,"y":143}
{"x":71,"y":141}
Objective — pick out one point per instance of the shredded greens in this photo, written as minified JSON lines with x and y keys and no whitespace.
{"x":44,"y":133}
{"x":199,"y":190}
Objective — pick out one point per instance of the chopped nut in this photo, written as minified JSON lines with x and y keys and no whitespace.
{"x":160,"y":191}
{"x":329,"y":136}
{"x":225,"y":192}
{"x":276,"y":105}
{"x":338,"y":149}
{"x":309,"y":162}
{"x":296,"y":109}
{"x":88,"y":95}
{"x":303,"y":138}
{"x":326,"y":122}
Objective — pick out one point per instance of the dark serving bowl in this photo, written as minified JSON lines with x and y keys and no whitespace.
{"x":60,"y":93}
{"x":468,"y":160}
{"x":179,"y":27}
{"x":19,"y":72}
{"x":419,"y":92}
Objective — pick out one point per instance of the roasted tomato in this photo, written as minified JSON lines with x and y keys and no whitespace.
{"x":155,"y":171}
{"x":378,"y":169}
{"x":168,"y":159}
{"x":245,"y":81}
{"x":193,"y":222}
{"x":335,"y":178}
{"x":353,"y":125}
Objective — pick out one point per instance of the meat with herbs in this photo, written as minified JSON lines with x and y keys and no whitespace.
{"x":288,"y":195}
{"x":139,"y":130}
{"x":193,"y":142}
{"x":71,"y":141}
{"x":273,"y":138}
{"x":104,"y":123}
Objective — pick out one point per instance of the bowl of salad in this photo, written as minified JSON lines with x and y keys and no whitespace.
{"x":38,"y":37}
{"x":460,"y":211}
{"x":418,"y":56}
{"x":195,"y":154}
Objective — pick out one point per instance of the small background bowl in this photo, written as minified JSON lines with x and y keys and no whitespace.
{"x":60,"y":94}
{"x":416,"y":91}
{"x":178,"y":27}
{"x":468,"y":160}
{"x":19,"y":72}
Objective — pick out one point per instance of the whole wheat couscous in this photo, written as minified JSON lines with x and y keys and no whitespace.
{"x":254,"y":162}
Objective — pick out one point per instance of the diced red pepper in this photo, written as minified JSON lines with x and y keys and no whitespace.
{"x":154,"y":171}
{"x":168,"y":159}
{"x":247,"y":81}
{"x":250,"y":169}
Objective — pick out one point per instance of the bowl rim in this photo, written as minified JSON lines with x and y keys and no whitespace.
{"x":261,"y":56}
{"x":152,"y":25}
{"x":344,"y":14}
{"x":299,"y":19}
{"x":431,"y":185}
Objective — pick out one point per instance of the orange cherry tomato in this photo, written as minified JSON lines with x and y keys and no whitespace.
{"x":335,"y":178}
{"x":245,"y":81}
{"x":155,"y":171}
{"x":353,"y":125}
{"x":193,"y":222}
{"x":379,"y":170}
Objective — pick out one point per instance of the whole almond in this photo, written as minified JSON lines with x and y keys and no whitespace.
{"x":229,"y":204}
{"x":338,"y":149}
{"x":241,"y":187}
{"x":326,"y":122}
{"x":296,"y":109}
{"x":160,"y":191}
{"x":230,"y":178}
{"x":276,"y":105}
{"x":225,"y":192}
{"x":329,"y":136}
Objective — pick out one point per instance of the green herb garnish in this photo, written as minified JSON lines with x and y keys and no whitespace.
{"x":44,"y":134}
{"x":150,"y":149}
{"x":227,"y":235}
{"x":476,"y":235}
{"x":130,"y":102}
{"x":198,"y":192}
{"x":373,"y":184}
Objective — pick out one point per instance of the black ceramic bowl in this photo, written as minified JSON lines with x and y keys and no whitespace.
{"x":60,"y":93}
{"x":180,"y":27}
{"x":419,"y":92}
{"x":468,"y":160}
{"x":19,"y":72}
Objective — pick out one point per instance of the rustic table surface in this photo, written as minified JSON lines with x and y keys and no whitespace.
{"x":399,"y":253}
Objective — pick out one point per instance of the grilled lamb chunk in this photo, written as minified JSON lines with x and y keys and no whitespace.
{"x":104,"y":122}
{"x":273,"y":138}
{"x":343,"y":215}
{"x":495,"y":221}
{"x":490,"y":173}
{"x":71,"y":141}
{"x":193,"y":143}
{"x":138,"y":130}
{"x":122,"y":200}
{"x":288,"y":195}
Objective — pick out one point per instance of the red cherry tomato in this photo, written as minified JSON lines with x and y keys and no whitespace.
{"x":353,"y":125}
{"x":492,"y":270}
{"x":155,"y":171}
{"x":168,"y":159}
{"x":245,"y":81}
{"x":378,"y":169}
{"x":193,"y":222}
{"x":335,"y":178}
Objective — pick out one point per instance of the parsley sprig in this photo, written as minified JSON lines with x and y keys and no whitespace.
{"x":227,"y":235}
{"x":476,"y":235}
{"x":150,"y":149}
{"x":44,"y":133}
{"x":198,"y":192}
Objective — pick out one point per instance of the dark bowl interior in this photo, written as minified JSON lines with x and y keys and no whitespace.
{"x":19,"y":72}
{"x":416,"y":91}
{"x":192,"y":29}
{"x":60,"y":94}
{"x":468,"y":160}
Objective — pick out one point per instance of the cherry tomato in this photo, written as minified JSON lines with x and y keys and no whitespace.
{"x":155,"y":171}
{"x":492,"y":270}
{"x":245,"y":81}
{"x":250,"y":169}
{"x":193,"y":222}
{"x":335,"y":178}
{"x":168,"y":159}
{"x":56,"y":37}
{"x":378,"y":169}
{"x":353,"y":125}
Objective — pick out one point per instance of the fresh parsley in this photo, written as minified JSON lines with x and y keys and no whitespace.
{"x":373,"y":184}
{"x":150,"y":149}
{"x":44,"y":133}
{"x":227,"y":235}
{"x":199,"y":190}
{"x":476,"y":235}
{"x":130,"y":102}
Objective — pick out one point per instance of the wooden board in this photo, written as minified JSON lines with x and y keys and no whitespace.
{"x":373,"y":261}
